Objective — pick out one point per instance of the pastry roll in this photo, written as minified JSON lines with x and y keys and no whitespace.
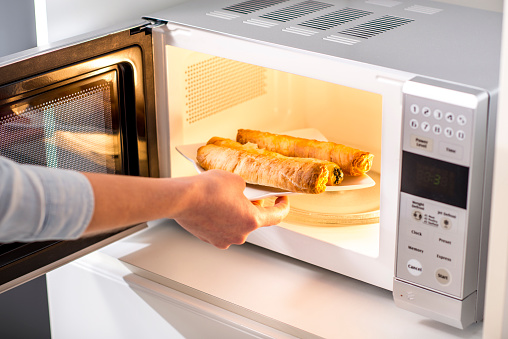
{"x":352,"y":161}
{"x":335,"y":175}
{"x":260,"y":168}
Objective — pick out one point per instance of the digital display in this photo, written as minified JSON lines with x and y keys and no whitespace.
{"x":434,"y":179}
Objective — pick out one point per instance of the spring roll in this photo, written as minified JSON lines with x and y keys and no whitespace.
{"x":352,"y":161}
{"x":335,"y":175}
{"x":291,"y":174}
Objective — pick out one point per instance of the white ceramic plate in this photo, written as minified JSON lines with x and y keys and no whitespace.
{"x":256,"y":192}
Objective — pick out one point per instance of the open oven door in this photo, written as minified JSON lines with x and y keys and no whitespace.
{"x":86,"y":104}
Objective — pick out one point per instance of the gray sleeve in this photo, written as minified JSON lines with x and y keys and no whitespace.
{"x":38,"y":203}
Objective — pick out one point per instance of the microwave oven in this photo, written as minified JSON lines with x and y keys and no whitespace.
{"x":414,"y":82}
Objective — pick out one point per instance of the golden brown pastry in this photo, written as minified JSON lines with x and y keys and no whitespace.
{"x":352,"y":161}
{"x":335,"y":175}
{"x":265,"y":168}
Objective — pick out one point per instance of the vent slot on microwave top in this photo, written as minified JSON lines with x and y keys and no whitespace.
{"x":296,"y":11}
{"x":251,"y":6}
{"x":336,"y":18}
{"x":217,"y":84}
{"x":376,"y":26}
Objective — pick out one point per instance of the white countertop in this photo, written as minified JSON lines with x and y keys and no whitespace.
{"x":296,"y":297}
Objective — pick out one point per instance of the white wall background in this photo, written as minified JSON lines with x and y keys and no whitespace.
{"x":18,"y":26}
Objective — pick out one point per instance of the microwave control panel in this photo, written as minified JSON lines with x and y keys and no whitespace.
{"x":438,"y":142}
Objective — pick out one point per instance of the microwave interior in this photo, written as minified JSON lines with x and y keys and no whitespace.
{"x":214,"y":96}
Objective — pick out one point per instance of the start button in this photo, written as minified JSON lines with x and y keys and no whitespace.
{"x":443,"y":276}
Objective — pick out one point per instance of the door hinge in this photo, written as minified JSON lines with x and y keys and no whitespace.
{"x":147,"y":28}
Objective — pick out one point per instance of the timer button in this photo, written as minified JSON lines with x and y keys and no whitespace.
{"x":451,"y":150}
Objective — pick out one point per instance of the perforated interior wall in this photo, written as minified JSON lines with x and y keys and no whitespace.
{"x":216,"y":84}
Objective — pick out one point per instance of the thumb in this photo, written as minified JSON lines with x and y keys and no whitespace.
{"x":273,"y":215}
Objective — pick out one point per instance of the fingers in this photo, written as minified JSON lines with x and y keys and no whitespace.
{"x":273,"y":215}
{"x":260,"y":203}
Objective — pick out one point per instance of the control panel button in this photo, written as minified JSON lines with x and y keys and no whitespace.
{"x":445,"y":223}
{"x":443,"y":276}
{"x":425,"y":126}
{"x":438,"y":114}
{"x":461,"y":135}
{"x":461,"y":119}
{"x":415,"y":109}
{"x":426,"y":112}
{"x":449,"y":132}
{"x":417,"y":215}
{"x":437,"y":129}
{"x":422,"y":143}
{"x":414,"y":123}
{"x":449,"y":117}
{"x":414,"y":267}
{"x":450,"y":150}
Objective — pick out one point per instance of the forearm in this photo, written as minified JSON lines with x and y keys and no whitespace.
{"x":126,"y":200}
{"x":211,"y":205}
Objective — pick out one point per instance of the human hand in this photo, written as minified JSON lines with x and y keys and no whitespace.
{"x":216,"y":210}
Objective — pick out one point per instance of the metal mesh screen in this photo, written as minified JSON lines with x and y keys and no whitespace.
{"x":217,"y":84}
{"x":71,"y":130}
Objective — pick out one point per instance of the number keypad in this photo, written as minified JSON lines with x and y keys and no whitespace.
{"x":446,"y":126}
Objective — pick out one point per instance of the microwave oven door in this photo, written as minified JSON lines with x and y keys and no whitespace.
{"x":85,"y":105}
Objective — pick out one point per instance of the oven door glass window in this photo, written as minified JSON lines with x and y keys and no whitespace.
{"x":72,"y":126}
